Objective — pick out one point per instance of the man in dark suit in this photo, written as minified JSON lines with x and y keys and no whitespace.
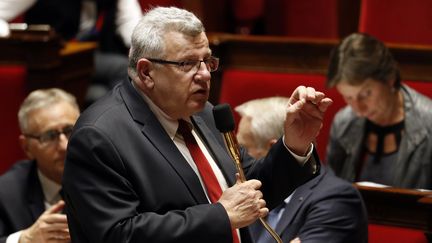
{"x":30,"y":205}
{"x":133,"y":173}
{"x":324,"y":209}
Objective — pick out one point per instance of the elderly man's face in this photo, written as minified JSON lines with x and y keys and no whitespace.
{"x":49,"y":154}
{"x":177,"y":92}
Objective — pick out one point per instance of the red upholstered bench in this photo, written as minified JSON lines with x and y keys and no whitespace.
{"x":382,"y":233}
{"x":240,"y":86}
{"x":12,"y":92}
{"x":398,"y":21}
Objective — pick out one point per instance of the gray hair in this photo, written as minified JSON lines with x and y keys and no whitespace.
{"x":42,"y":98}
{"x":267,"y":118}
{"x":148,"y":35}
{"x":359,"y":57}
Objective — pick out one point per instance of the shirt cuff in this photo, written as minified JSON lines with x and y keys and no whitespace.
{"x":301,"y":159}
{"x":14,"y":238}
{"x":4,"y":28}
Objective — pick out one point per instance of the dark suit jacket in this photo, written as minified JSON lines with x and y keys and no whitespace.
{"x":126,"y":181}
{"x":325,"y":209}
{"x":21,"y":198}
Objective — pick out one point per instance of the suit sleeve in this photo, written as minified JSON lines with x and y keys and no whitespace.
{"x":279,"y":172}
{"x":337,"y":216}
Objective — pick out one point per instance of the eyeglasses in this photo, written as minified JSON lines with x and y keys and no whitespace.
{"x":51,"y":136}
{"x":212,"y":64}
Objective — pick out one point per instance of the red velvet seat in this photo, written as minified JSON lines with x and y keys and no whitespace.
{"x":399,"y":21}
{"x":12,"y":93}
{"x":241,"y":86}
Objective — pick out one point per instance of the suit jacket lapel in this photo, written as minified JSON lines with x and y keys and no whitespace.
{"x":35,"y":194}
{"x":299,"y":197}
{"x":153,"y":130}
{"x":225,"y":162}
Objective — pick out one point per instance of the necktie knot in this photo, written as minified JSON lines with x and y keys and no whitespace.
{"x":184,"y":127}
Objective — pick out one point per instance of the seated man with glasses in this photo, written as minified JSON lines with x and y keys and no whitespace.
{"x":30,"y":203}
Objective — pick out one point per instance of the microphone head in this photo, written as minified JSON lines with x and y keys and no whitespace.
{"x":223,"y":118}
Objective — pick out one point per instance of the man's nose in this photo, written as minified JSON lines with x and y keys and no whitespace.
{"x":203,"y":72}
{"x":63,"y":141}
{"x":359,"y":107}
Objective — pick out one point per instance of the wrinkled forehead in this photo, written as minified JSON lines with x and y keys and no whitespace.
{"x":53,"y":116}
{"x":179,"y":45}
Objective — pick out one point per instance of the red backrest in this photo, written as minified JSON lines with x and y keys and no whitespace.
{"x":247,"y":10}
{"x":382,"y":233}
{"x":12,"y":93}
{"x":240,"y":86}
{"x":146,"y":4}
{"x":399,"y":21}
{"x":300,"y":18}
{"x":421,"y":86}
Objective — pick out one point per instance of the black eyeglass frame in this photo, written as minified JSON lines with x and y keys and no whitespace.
{"x":51,"y":136}
{"x":185,"y":63}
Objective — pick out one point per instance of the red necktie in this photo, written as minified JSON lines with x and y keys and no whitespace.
{"x":211,"y":183}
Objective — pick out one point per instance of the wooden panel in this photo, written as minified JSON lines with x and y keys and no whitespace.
{"x":50,"y":62}
{"x":398,"y":207}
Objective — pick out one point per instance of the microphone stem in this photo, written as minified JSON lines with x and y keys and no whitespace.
{"x":233,"y":147}
{"x":235,"y":153}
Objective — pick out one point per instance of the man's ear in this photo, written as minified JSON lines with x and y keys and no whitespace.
{"x":25,"y":145}
{"x":143,"y":71}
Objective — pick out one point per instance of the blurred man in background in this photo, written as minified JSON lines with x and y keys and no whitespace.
{"x":30,"y":201}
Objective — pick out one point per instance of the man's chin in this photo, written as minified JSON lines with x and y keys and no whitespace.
{"x":197,"y":106}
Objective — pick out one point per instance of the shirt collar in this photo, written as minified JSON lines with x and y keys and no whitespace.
{"x":50,"y":188}
{"x":169,"y":124}
{"x":288,"y":199}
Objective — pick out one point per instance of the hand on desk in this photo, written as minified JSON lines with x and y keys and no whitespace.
{"x":51,"y":226}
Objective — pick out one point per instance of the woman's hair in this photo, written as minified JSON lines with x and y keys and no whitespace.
{"x":267,"y":118}
{"x":148,"y":36}
{"x":359,"y":57}
{"x":43,"y":98}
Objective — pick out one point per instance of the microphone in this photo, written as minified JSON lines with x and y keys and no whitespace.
{"x":225,"y":124}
